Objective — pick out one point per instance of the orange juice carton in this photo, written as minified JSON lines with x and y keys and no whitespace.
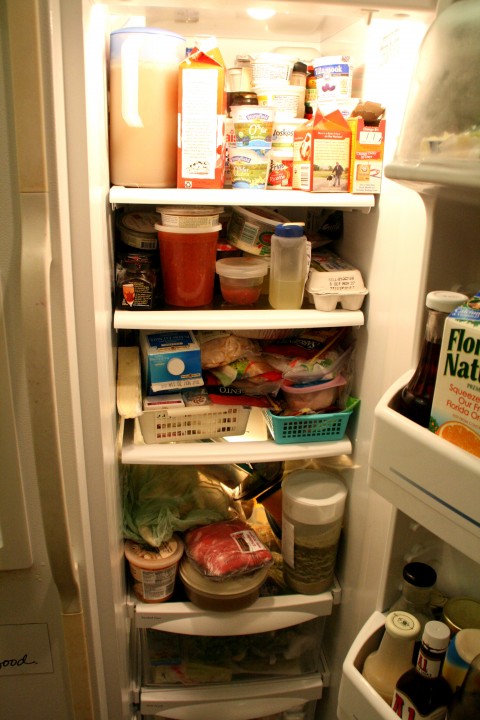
{"x":201,"y":119}
{"x":455,"y":414}
{"x":321,"y":154}
{"x":366,"y":156}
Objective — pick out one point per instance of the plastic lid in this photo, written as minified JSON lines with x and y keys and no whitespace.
{"x":139,"y":222}
{"x":402,"y":624}
{"x":227,"y":588}
{"x":313,"y":497}
{"x":188,"y":230}
{"x":419,"y":574}
{"x":293,"y":230}
{"x":149,"y":558}
{"x":436,"y":635}
{"x":444,"y":300}
{"x":189,"y":210}
{"x":242,"y":267}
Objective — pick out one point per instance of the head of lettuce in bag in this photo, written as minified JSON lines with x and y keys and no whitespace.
{"x":159,"y":500}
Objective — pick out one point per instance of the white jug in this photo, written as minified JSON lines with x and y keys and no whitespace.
{"x":143,"y":106}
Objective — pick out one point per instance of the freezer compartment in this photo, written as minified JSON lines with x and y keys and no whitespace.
{"x":357,"y":700}
{"x":427,"y":478}
{"x":173,"y":659}
{"x":247,"y":701}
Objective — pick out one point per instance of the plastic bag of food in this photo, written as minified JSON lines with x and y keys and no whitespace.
{"x":219,"y":348}
{"x":158,"y":501}
{"x":225,"y":549}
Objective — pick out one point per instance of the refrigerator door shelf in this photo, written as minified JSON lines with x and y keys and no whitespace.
{"x":429,"y":479}
{"x":357,"y":700}
{"x":178,"y":196}
{"x":242,"y":701}
{"x":267,"y":613}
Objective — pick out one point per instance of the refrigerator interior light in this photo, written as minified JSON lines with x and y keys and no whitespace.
{"x":260,"y":13}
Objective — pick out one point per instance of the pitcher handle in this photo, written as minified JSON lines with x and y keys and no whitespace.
{"x":129,"y":67}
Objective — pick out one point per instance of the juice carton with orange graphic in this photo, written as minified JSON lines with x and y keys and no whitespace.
{"x":455,"y":414}
{"x":366,"y":157}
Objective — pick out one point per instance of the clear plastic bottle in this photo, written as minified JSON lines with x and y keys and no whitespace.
{"x":384,"y":666}
{"x":422,"y":692}
{"x":288,"y":266}
{"x":414,"y":401}
{"x":418,"y":582}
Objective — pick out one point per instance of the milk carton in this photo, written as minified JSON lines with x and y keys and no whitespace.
{"x":170,"y":360}
{"x":455,"y":414}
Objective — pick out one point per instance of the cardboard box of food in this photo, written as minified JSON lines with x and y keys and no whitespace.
{"x":455,"y":414}
{"x":366,"y":156}
{"x":170,"y":360}
{"x":202,"y":104}
{"x":321,"y":154}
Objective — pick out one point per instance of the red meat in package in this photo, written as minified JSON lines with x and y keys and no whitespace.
{"x":226,"y":549}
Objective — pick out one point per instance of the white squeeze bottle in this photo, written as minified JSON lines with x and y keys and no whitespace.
{"x":288,"y":266}
{"x":383,"y":667}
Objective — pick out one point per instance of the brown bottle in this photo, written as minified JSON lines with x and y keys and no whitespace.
{"x":422,"y":692}
{"x":414,"y":401}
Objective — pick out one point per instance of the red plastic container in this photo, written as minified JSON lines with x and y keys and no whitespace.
{"x":188,"y":257}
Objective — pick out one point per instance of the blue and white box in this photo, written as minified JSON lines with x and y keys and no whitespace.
{"x":171,"y":360}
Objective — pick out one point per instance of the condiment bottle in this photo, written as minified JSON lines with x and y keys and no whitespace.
{"x":288,"y":266}
{"x":465,"y":704}
{"x":384,"y":666}
{"x":414,"y":401}
{"x":418,"y":581}
{"x":422,"y":692}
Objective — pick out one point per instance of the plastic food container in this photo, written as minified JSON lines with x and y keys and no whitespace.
{"x":251,"y":229}
{"x":241,"y":279}
{"x":248,"y":169}
{"x":283,"y":131}
{"x":253,"y":126}
{"x":190,"y":216}
{"x":315,"y":396}
{"x":221,"y":596}
{"x":284,"y":98}
{"x":154,"y":570}
{"x":137,"y":230}
{"x":270,"y":66}
{"x":313,"y":503}
{"x":188,"y":256}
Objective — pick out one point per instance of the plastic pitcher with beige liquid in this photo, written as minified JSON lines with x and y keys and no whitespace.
{"x":143,"y":106}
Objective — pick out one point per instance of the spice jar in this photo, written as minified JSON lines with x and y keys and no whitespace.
{"x":313,"y":503}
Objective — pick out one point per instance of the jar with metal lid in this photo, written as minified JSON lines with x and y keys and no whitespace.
{"x":460,"y":613}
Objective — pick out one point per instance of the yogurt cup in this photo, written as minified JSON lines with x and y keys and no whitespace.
{"x":248,"y":169}
{"x":268,"y":66}
{"x":154,"y":570}
{"x":280,"y":171}
{"x":283,"y":132}
{"x":284,"y":98}
{"x":333,"y":77}
{"x":253,"y":126}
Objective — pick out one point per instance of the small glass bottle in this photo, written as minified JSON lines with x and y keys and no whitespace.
{"x":288,"y":266}
{"x":414,"y":401}
{"x":418,"y":582}
{"x":423,"y":692}
{"x":384,"y":666}
{"x":465,"y":704}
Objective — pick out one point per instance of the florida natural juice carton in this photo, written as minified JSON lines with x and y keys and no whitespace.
{"x":455,"y":414}
{"x":321,"y":154}
{"x":201,"y":120}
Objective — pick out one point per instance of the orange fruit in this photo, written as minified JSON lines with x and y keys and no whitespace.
{"x":460,"y":435}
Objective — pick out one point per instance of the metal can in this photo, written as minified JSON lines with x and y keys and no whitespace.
{"x":460,"y":613}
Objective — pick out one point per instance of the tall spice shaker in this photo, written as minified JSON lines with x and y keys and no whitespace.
{"x":288,"y":266}
{"x":414,"y":401}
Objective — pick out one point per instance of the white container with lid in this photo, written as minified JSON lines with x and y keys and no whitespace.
{"x":313,"y":504}
{"x":269,"y":66}
{"x":231,"y":594}
{"x":241,"y":279}
{"x":154,"y":570}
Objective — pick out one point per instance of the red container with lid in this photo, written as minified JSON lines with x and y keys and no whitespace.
{"x":188,"y":256}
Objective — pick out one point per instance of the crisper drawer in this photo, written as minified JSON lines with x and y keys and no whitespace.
{"x":288,"y":699}
{"x":429,"y":479}
{"x":357,"y":700}
{"x":177,"y":659}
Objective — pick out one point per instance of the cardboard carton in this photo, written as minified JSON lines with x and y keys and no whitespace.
{"x":455,"y":414}
{"x":366,"y":157}
{"x":201,"y":120}
{"x":170,"y":360}
{"x":321,"y":154}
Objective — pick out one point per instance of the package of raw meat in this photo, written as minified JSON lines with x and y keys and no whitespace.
{"x":227,"y":548}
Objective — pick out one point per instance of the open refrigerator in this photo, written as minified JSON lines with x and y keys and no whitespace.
{"x":408,"y":498}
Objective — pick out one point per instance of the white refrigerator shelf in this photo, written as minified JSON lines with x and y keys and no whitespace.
{"x":429,"y":479}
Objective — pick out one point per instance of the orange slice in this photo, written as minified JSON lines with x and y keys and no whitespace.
{"x":460,"y":435}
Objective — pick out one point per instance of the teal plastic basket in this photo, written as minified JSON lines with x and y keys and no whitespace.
{"x":310,"y":428}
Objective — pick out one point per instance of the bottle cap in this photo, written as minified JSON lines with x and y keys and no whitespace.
{"x":293,"y":230}
{"x":419,"y":574}
{"x":402,"y":624}
{"x":300,"y":67}
{"x":445,"y":300}
{"x":436,"y":635}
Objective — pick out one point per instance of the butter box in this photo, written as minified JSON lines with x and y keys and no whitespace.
{"x":366,"y":156}
{"x":170,"y":360}
{"x":455,"y":414}
{"x":321,"y":154}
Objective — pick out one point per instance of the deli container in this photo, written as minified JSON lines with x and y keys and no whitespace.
{"x":154,"y":570}
{"x":241,"y":279}
{"x":251,"y":229}
{"x":190,"y":215}
{"x":315,"y":396}
{"x":332,"y":280}
{"x":221,"y":596}
{"x":137,"y":229}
